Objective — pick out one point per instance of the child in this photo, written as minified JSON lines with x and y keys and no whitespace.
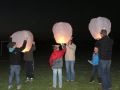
{"x":95,"y":65}
{"x":15,"y":58}
{"x":56,"y":63}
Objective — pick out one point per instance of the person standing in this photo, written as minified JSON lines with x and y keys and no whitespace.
{"x":29,"y":63}
{"x":70,"y":60}
{"x":105,"y":52}
{"x":15,"y":58}
{"x":95,"y":65}
{"x":56,"y":63}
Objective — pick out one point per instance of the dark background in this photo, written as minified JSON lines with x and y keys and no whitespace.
{"x":39,"y":17}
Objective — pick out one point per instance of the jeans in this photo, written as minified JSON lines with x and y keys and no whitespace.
{"x":14,"y":69}
{"x":105,"y":74}
{"x":70,"y":70}
{"x":95,"y":71}
{"x":29,"y":69}
{"x":55,"y":72}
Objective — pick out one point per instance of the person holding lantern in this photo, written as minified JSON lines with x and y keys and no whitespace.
{"x":56,"y":63}
{"x":70,"y":60}
{"x":105,"y":53}
{"x":29,"y":63}
{"x":15,"y":58}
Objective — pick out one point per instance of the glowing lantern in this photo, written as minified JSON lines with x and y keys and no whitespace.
{"x":97,"y":24}
{"x":62,"y":32}
{"x":19,"y":38}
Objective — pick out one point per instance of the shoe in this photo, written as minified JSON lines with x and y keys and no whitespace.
{"x":31,"y":79}
{"x":18,"y":87}
{"x":67,"y":80}
{"x":60,"y":86}
{"x":99,"y":83}
{"x":54,"y":86}
{"x":91,"y":81}
{"x":27,"y":79}
{"x":110,"y":88}
{"x":10,"y":86}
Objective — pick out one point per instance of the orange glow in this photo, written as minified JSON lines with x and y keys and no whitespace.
{"x":61,"y":40}
{"x":98,"y":37}
{"x":26,"y":50}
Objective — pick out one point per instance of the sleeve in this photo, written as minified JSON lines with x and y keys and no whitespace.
{"x":92,"y":61}
{"x":73,"y":47}
{"x":23,"y":46}
{"x":52,"y":57}
{"x":33,"y":48}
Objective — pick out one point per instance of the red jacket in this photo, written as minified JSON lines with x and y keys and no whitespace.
{"x":56,"y":54}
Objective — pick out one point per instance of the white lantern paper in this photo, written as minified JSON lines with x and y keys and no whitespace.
{"x":19,"y":38}
{"x":62,"y":32}
{"x":97,"y":24}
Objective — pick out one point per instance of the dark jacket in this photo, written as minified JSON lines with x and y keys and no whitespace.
{"x":105,"y":48}
{"x":15,"y":56}
{"x":28,"y":56}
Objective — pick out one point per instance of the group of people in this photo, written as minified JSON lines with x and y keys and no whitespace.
{"x":101,"y":61}
{"x":15,"y":58}
{"x":56,"y":62}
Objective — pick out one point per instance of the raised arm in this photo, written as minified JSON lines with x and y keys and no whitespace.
{"x":23,"y":46}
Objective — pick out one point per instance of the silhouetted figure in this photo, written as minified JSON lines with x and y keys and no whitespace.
{"x":105,"y":52}
{"x":15,"y":58}
{"x":29,"y":63}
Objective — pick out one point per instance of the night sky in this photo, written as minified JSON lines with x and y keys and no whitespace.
{"x":39,"y":17}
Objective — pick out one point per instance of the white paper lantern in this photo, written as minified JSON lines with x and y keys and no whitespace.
{"x":97,"y":24}
{"x":62,"y":32}
{"x":19,"y":38}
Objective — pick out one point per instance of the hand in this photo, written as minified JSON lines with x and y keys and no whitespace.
{"x":89,"y":61}
{"x":33,"y":42}
{"x":15,"y":46}
{"x":63,"y":46}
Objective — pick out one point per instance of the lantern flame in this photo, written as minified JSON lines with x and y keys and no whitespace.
{"x":25,"y":50}
{"x":61,"y":40}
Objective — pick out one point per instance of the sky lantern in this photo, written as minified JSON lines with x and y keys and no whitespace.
{"x":62,"y":32}
{"x":97,"y":24}
{"x":19,"y":38}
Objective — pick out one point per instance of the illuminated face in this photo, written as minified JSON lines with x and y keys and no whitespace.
{"x":95,"y":49}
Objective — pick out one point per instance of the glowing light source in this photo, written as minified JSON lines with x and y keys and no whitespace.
{"x":19,"y":38}
{"x":97,"y":24}
{"x":62,"y":32}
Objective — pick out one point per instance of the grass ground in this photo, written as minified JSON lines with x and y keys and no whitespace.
{"x":43,"y":78}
